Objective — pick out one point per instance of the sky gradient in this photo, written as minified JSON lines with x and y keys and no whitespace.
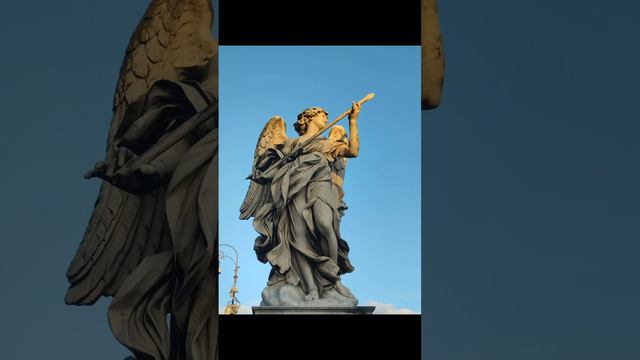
{"x":531,"y":184}
{"x":59,"y":68}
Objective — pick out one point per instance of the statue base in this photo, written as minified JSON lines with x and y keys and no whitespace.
{"x":312,"y":310}
{"x":283,"y":295}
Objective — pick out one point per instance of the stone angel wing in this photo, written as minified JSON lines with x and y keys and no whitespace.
{"x":173,"y":42}
{"x":274,"y":133}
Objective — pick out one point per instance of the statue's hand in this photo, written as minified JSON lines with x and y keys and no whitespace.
{"x":99,"y":171}
{"x":117,"y":157}
{"x":355,"y":110}
{"x":139,"y":179}
{"x":258,"y":176}
{"x":294,"y":155}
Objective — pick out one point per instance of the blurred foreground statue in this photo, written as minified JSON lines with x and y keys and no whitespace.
{"x":296,"y":200}
{"x":152,"y":240}
{"x":432,"y":56}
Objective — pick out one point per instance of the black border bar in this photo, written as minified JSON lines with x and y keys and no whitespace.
{"x":329,"y":22}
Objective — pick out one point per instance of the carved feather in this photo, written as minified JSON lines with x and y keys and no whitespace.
{"x":173,"y":37}
{"x":273,"y":133}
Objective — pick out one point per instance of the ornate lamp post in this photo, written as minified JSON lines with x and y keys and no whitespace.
{"x":233,"y":305}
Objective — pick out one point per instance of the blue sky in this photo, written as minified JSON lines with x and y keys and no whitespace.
{"x":382,"y":185}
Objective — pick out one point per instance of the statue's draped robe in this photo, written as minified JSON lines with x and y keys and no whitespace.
{"x":289,"y":238}
{"x":183,"y":280}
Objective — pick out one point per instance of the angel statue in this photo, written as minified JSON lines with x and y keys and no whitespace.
{"x":152,"y":237}
{"x":295,"y":200}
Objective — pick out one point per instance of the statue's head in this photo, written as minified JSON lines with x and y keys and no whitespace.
{"x":313,"y":114}
{"x":338,"y":133}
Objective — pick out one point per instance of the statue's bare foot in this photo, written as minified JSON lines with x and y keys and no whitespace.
{"x":312,"y":295}
{"x":342,"y":290}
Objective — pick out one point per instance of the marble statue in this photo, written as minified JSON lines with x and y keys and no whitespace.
{"x":151,"y":242}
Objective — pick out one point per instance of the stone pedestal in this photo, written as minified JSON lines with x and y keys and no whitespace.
{"x":284,"y":295}
{"x":312,"y":310}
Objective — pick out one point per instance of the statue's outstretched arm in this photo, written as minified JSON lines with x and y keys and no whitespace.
{"x":354,"y":140}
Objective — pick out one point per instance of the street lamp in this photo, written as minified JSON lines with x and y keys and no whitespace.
{"x":233,"y":305}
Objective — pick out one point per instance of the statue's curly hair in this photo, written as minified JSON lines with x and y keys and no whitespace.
{"x":303,"y":118}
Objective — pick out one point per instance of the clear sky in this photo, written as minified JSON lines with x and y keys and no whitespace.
{"x":58,"y":67}
{"x":382,"y":185}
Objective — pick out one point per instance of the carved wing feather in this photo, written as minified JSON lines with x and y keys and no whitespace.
{"x":172,"y":39}
{"x":273,"y":133}
{"x":123,"y":229}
